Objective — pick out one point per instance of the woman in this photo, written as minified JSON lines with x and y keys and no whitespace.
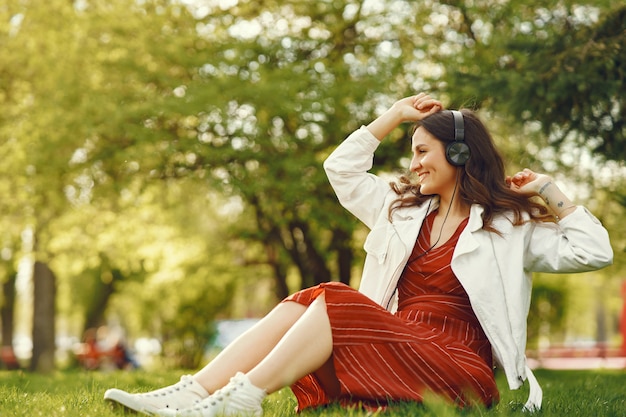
{"x":446,"y":283}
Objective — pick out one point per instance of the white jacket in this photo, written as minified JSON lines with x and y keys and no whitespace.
{"x":494,"y":270}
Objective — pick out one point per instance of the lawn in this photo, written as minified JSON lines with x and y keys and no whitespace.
{"x":79,"y":393}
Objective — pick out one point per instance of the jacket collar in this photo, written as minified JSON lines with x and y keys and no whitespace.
{"x":476,"y":218}
{"x":407,"y":223}
{"x":420,"y":212}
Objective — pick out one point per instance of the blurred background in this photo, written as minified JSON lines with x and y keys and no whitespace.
{"x":161,"y":182}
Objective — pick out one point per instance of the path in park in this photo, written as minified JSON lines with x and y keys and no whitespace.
{"x":578,"y":363}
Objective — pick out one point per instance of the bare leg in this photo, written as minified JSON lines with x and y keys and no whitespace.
{"x":305,"y":348}
{"x":250,"y":348}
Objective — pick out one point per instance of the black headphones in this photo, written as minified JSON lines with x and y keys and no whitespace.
{"x":457,"y":151}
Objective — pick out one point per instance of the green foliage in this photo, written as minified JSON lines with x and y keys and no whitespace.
{"x":558,"y":63}
{"x":548,"y":308}
{"x":272,"y":106}
{"x":73,"y":394}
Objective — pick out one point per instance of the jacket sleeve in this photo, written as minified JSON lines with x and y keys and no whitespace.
{"x":578,"y":243}
{"x":361,"y":193}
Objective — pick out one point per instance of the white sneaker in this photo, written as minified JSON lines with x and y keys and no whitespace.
{"x":238,"y":398}
{"x":181,"y":395}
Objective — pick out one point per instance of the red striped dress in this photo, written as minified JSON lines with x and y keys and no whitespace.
{"x":432,"y":344}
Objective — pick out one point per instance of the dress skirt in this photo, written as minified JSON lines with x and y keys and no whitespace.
{"x":433,"y":344}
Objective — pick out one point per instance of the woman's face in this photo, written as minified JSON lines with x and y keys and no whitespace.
{"x":436,"y":174}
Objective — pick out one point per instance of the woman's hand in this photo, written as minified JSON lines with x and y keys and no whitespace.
{"x":527,"y":182}
{"x":408,"y":109}
{"x":416,"y":108}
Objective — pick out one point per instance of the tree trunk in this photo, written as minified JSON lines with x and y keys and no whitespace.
{"x":44,"y":295}
{"x":281,"y":290}
{"x":345,"y":256}
{"x":7,"y":317}
{"x":310,"y":263}
{"x":105,"y":288}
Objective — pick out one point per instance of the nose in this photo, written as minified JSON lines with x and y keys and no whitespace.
{"x":415,"y":164}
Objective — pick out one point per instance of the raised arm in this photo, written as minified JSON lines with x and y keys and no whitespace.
{"x":408,"y":109}
{"x":531,"y":183}
{"x":348,"y":166}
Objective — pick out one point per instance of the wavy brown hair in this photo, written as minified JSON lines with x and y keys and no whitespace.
{"x":482,"y":178}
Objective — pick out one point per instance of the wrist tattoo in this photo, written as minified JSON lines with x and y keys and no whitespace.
{"x":544,"y":186}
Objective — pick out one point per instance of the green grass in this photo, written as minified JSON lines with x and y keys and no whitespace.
{"x":76,"y":393}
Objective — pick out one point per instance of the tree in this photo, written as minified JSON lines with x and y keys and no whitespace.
{"x":559,"y":63}
{"x":271,"y":90}
{"x":13,"y":170}
{"x":36,"y":97}
{"x":55,"y":104}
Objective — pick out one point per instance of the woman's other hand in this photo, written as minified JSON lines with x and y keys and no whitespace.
{"x":527,"y":182}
